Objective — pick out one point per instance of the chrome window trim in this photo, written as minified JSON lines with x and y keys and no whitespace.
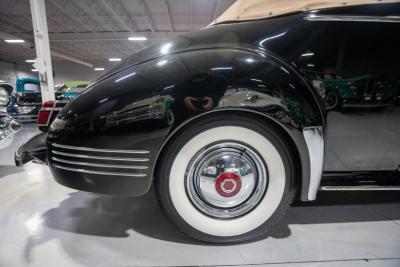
{"x":100,"y":172}
{"x":314,"y":138}
{"x":101,"y":150}
{"x":390,"y":19}
{"x":97,"y":157}
{"x":100,"y":164}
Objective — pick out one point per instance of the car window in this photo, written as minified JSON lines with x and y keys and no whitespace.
{"x":31,"y":87}
{"x":77,"y":89}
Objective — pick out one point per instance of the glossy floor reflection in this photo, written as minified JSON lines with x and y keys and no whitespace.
{"x":45,"y":224}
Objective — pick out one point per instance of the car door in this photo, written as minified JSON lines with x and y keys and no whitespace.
{"x":363,"y":132}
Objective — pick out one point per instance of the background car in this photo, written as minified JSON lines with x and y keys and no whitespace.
{"x":25,"y":103}
{"x":363,"y":91}
{"x":70,"y":89}
{"x":5,"y":93}
{"x":63,"y":93}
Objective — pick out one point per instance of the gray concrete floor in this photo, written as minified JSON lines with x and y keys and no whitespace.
{"x":45,"y":224}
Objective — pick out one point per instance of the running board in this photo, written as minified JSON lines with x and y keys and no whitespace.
{"x":359,"y":188}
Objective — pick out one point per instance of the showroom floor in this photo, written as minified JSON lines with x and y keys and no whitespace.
{"x":45,"y":224}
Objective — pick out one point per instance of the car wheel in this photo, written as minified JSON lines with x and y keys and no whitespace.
{"x":226,"y":179}
{"x":331,"y":100}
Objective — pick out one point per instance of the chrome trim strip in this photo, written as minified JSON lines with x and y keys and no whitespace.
{"x":98,"y":157}
{"x":315,"y":17}
{"x":360,"y":188}
{"x":101,"y":150}
{"x":100,"y":165}
{"x":101,"y":172}
{"x":314,"y":138}
{"x":51,"y":109}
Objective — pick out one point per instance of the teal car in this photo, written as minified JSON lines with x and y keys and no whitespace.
{"x":25,"y":103}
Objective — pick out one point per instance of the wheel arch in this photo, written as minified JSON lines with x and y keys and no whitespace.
{"x":293,"y":136}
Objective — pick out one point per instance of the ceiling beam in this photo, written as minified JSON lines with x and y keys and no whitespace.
{"x":15,"y":24}
{"x":125,"y":19}
{"x":146,"y":15}
{"x":89,"y":36}
{"x":122,"y":17}
{"x":100,"y":16}
{"x":63,"y":10}
{"x":57,"y":53}
{"x":167,"y":7}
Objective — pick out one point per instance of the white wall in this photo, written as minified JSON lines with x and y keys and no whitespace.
{"x":69,"y":71}
{"x":9,"y":72}
{"x":63,"y":71}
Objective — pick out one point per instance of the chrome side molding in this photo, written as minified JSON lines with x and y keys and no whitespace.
{"x":97,"y":157}
{"x":390,"y":19}
{"x":314,"y":137}
{"x":111,"y":162}
{"x":100,"y":172}
{"x":101,"y":150}
{"x":101,"y":165}
{"x":360,"y":188}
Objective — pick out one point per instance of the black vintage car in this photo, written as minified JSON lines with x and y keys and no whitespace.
{"x":225,"y":121}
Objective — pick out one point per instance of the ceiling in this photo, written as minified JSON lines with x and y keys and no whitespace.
{"x":94,"y":31}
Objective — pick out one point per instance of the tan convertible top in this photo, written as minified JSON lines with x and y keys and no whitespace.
{"x":260,"y":9}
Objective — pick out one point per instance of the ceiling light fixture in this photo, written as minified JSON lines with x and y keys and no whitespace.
{"x":30,"y":60}
{"x":114,"y":59}
{"x":137,"y":38}
{"x":34,"y":70}
{"x":14,"y":41}
{"x":98,"y":69}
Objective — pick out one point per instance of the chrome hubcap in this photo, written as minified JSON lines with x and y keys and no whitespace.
{"x":226,"y":180}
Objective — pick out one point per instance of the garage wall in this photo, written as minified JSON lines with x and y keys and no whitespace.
{"x":69,"y":71}
{"x":9,"y":72}
{"x":64,"y":71}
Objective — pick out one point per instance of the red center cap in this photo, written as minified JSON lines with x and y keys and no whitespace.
{"x":228,"y":184}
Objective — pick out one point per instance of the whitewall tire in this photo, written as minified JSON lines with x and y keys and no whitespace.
{"x":226,"y":179}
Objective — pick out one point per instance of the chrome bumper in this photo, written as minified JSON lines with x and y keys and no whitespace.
{"x":35,"y":148}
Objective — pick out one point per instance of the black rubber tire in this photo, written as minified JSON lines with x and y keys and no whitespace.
{"x":337,"y":102}
{"x":167,"y":158}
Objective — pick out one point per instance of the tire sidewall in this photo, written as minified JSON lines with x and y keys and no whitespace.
{"x":262,"y":129}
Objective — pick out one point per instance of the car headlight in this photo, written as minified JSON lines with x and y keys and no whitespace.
{"x":4,"y":97}
{"x":58,"y":124}
{"x":25,"y":109}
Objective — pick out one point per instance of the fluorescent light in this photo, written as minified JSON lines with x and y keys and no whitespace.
{"x":285,"y":70}
{"x":272,"y":37}
{"x":162,"y":62}
{"x":34,"y":70}
{"x":165,"y":48}
{"x":98,"y":69}
{"x":124,"y":77}
{"x":114,"y":59}
{"x":308,"y":54}
{"x":137,"y":38}
{"x":1,"y":81}
{"x":14,"y":41}
{"x":30,"y":60}
{"x":222,"y":68}
{"x":310,"y":65}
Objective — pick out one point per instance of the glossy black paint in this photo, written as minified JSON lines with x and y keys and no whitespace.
{"x":258,"y":67}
